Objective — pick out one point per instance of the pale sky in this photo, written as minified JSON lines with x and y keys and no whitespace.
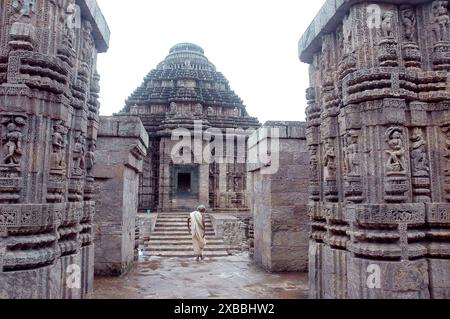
{"x":252,"y":42}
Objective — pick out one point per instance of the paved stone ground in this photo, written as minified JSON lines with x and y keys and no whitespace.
{"x":234,"y":277}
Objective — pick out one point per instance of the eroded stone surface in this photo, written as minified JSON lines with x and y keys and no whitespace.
{"x":49,"y":118}
{"x":378,"y":136}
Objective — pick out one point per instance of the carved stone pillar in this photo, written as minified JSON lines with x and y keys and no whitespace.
{"x":385,"y":188}
{"x":46,"y":239}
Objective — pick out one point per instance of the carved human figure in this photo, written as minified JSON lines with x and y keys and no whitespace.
{"x":447,"y":149}
{"x":348,"y":39}
{"x":90,"y":158}
{"x":313,"y":160}
{"x":86,"y":49}
{"x":419,"y":154}
{"x":340,"y":40}
{"x":326,"y":54}
{"x":70,"y":22}
{"x":352,"y":163}
{"x":23,"y":11}
{"x":408,"y":18}
{"x":59,"y":143}
{"x":395,"y":163}
{"x":79,"y":154}
{"x":13,"y":144}
{"x":329,"y":160}
{"x":387,"y":24}
{"x":236,"y":183}
{"x":441,"y":20}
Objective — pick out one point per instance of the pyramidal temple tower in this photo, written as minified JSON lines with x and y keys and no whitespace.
{"x":186,"y":96}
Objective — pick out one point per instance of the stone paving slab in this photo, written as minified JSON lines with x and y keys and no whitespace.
{"x":234,"y":277}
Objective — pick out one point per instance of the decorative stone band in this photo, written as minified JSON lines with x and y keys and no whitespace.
{"x":386,"y":214}
{"x":378,"y":83}
{"x":33,"y":218}
{"x":38,"y":71}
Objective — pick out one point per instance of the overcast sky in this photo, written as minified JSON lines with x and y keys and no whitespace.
{"x":252,"y":42}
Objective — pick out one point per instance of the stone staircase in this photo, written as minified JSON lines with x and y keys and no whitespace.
{"x":171,"y":238}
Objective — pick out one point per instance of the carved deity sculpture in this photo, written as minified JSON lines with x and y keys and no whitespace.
{"x":23,"y":11}
{"x":90,"y":158}
{"x":313,"y":161}
{"x":326,"y":54}
{"x":59,"y":143}
{"x":419,"y":154}
{"x":408,"y":19}
{"x":79,"y":154}
{"x":13,"y":145}
{"x":70,"y":22}
{"x":86,"y":49}
{"x":329,"y":160}
{"x":387,"y":24}
{"x":441,"y":21}
{"x":447,"y":149}
{"x":396,"y":162}
{"x":352,"y":153}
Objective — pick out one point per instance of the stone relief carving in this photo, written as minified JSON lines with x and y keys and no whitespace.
{"x":352,"y":163}
{"x":446,"y":131}
{"x":408,"y":18}
{"x":13,"y":140}
{"x":419,"y":158}
{"x":59,"y":144}
{"x":70,"y":23}
{"x":79,"y":164}
{"x":90,"y":158}
{"x":387,"y":24}
{"x":88,"y":43}
{"x":396,"y":161}
{"x":329,"y":160}
{"x":440,"y":21}
{"x":23,"y":11}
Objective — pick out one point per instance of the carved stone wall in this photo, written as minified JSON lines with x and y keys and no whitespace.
{"x":279,"y":197}
{"x":123,"y":144}
{"x":48,"y":131}
{"x":378,"y":134}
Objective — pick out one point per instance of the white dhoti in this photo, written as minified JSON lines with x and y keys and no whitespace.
{"x":198,"y":232}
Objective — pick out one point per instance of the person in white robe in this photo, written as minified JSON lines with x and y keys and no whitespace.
{"x":198,"y":231}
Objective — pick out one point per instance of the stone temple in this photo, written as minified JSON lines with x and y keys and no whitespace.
{"x":183,"y":89}
{"x":356,"y":201}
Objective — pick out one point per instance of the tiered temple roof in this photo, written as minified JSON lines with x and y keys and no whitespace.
{"x":186,"y":75}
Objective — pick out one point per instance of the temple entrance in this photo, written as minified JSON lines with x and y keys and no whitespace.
{"x":184,"y":186}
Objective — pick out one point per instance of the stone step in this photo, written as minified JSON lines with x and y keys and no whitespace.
{"x":187,"y":248}
{"x":180,"y":242}
{"x":175,"y":223}
{"x":177,"y":233}
{"x":178,"y":237}
{"x":185,"y":254}
{"x":177,"y":228}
